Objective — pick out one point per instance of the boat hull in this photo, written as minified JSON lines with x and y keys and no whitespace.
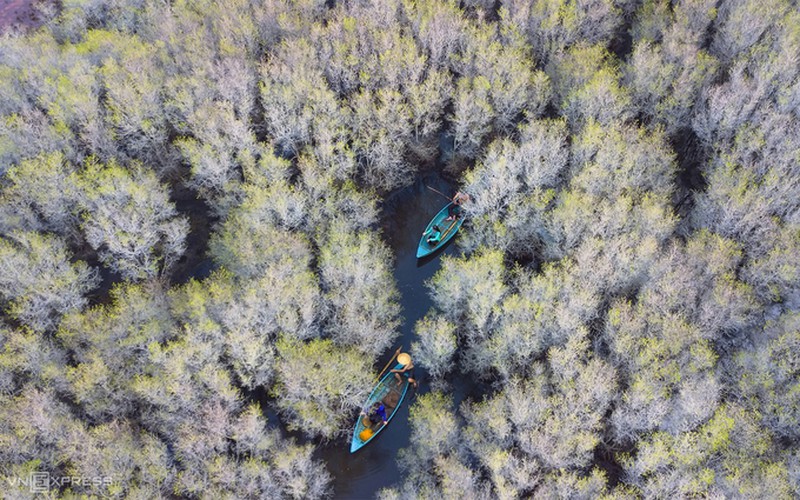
{"x":391,"y":394}
{"x":449,"y":229}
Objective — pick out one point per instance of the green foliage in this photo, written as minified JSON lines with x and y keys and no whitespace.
{"x":71,"y":101}
{"x":768,"y":378}
{"x":653,"y":18}
{"x":434,"y":431}
{"x":512,"y":188}
{"x":33,"y":426}
{"x":319,"y":385}
{"x":179,"y":377}
{"x":613,"y":161}
{"x":620,"y":237}
{"x":355,"y":272}
{"x":439,"y":27}
{"x":353,"y":209}
{"x":129,"y":219}
{"x":547,"y":421}
{"x":38,"y":281}
{"x":437,"y":345}
{"x":569,"y":484}
{"x":249,"y":249}
{"x":295,"y":105}
{"x":644,"y":234}
{"x":575,"y":68}
{"x":40,"y":195}
{"x":133,"y":460}
{"x":467,"y":291}
{"x":382,"y":126}
{"x":746,"y":201}
{"x":32,"y":68}
{"x":472,"y":115}
{"x":223,"y":145}
{"x":670,"y":64}
{"x":109,"y":345}
{"x":602,"y":99}
{"x":25,"y":356}
{"x":552,"y":26}
{"x":245,"y":316}
{"x":729,"y":455}
{"x":616,"y":215}
{"x":663,"y":340}
{"x":665,"y":81}
{"x":742,"y":23}
{"x":133,"y":88}
{"x":426,"y":101}
{"x":545,"y":309}
{"x":496,"y":63}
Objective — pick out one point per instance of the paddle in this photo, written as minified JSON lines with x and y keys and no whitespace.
{"x":452,"y":225}
{"x":439,"y":192}
{"x":390,"y":362}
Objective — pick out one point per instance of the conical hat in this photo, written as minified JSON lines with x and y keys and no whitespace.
{"x":403,"y":358}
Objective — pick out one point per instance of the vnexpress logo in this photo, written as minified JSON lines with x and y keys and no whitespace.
{"x":42,"y":482}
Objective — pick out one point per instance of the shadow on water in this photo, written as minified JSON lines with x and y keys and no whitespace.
{"x":405,"y":215}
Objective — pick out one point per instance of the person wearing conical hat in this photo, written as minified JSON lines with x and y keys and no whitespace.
{"x":407,"y":371}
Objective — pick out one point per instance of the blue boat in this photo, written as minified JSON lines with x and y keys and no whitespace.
{"x":391,"y":394}
{"x":448,"y":229}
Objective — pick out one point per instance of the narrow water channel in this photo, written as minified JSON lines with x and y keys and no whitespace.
{"x":404,"y":216}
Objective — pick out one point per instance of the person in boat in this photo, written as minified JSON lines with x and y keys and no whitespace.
{"x":377,"y":413}
{"x":458,"y":200}
{"x":407,"y":371}
{"x":434,"y":235}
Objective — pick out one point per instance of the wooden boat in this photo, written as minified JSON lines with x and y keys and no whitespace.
{"x":448,"y":228}
{"x":391,"y":393}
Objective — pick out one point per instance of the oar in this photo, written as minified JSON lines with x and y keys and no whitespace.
{"x":390,"y":362}
{"x":452,"y":225}
{"x":439,"y":192}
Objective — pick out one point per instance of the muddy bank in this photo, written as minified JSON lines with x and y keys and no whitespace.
{"x":20,"y":14}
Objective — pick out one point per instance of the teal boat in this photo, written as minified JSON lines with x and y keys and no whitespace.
{"x":448,"y":229}
{"x":391,"y":394}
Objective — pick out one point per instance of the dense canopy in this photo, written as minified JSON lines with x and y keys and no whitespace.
{"x":626,"y":289}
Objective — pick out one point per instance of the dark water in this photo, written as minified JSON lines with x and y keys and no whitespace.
{"x":405,"y":215}
{"x":195,"y":262}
